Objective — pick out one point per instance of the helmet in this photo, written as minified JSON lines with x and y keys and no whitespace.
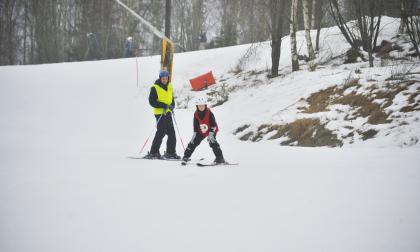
{"x":163,"y":73}
{"x":201,"y":101}
{"x":129,"y":38}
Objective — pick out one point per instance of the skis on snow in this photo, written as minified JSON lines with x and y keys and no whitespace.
{"x":216,"y":164}
{"x":207,"y":164}
{"x":167,"y":159}
{"x":146,"y":158}
{"x":196,"y":162}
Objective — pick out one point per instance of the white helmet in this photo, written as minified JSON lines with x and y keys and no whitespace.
{"x":129,"y":38}
{"x":201,"y":101}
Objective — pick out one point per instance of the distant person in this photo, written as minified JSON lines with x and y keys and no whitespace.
{"x":162,"y":100}
{"x":205,"y":126}
{"x":203,"y":41}
{"x":92,"y":52}
{"x":129,"y":48}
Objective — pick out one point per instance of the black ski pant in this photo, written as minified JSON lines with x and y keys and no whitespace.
{"x":165,"y":126}
{"x":196,"y":140}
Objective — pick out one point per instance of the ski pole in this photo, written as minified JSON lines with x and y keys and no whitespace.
{"x":153,"y":130}
{"x":177,"y":129}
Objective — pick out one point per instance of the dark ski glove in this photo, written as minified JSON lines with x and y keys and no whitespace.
{"x":165,"y":109}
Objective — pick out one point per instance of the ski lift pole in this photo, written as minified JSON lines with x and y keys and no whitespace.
{"x":177,"y":129}
{"x":166,"y":61}
{"x":137,"y":70}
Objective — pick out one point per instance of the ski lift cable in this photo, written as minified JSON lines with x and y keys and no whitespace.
{"x":144,"y":21}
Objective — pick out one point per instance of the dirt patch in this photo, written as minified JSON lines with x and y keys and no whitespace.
{"x":412,"y":108}
{"x":391,"y":92}
{"x":242,"y":128}
{"x":307,"y":133}
{"x":412,"y":98}
{"x":352,"y":56}
{"x":378,"y":117}
{"x":362,"y":103}
{"x":355,"y":100}
{"x":246,"y":137}
{"x":263,"y":126}
{"x":367,"y":102}
{"x":368,"y":134}
{"x":319,"y":101}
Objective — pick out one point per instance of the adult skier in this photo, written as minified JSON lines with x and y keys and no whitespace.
{"x":92,"y":52}
{"x":163,"y":103}
{"x":205,"y":125}
{"x":129,"y":48}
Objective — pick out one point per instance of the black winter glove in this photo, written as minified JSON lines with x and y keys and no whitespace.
{"x":165,"y":109}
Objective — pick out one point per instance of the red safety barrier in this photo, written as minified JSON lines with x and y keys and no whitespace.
{"x":202,"y":81}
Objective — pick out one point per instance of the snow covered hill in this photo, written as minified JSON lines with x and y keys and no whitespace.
{"x":66,"y":183}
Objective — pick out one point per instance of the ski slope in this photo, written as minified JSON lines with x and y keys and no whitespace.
{"x":66,"y":183}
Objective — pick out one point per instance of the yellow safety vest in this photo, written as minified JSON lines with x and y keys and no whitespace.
{"x":164,"y":96}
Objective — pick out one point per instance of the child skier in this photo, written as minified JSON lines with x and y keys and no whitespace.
{"x":204,"y":126}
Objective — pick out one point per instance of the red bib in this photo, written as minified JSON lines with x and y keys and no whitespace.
{"x":205,"y":123}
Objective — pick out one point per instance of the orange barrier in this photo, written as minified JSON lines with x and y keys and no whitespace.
{"x":202,"y":81}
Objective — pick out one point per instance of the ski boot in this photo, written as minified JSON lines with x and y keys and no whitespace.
{"x":219,"y":160}
{"x":153,"y":156}
{"x":171,"y":156}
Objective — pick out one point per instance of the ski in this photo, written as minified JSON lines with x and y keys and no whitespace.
{"x":163,"y":159}
{"x":216,"y":164}
{"x":189,"y":161}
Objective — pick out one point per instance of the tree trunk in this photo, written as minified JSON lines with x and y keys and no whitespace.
{"x":412,"y":24}
{"x":307,"y":23}
{"x":318,"y":35}
{"x":370,"y":46}
{"x":319,"y":17}
{"x":276,"y":11}
{"x":403,"y":17}
{"x":168,"y":19}
{"x":341,"y":23}
{"x":197,"y":22}
{"x":293,"y":27}
{"x":314,"y":14}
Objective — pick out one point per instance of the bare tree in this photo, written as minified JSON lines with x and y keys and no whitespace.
{"x":293,"y":28}
{"x":8,"y":32}
{"x":314,"y":13}
{"x":229,"y":31}
{"x":319,"y":11}
{"x":198,"y":18}
{"x":276,"y":8}
{"x":411,"y":19}
{"x":403,"y":13}
{"x":337,"y":15}
{"x":180,"y":32}
{"x":307,"y":24}
{"x":365,"y":32}
{"x":369,"y":21}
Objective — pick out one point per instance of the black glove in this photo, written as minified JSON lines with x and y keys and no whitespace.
{"x":165,"y":109}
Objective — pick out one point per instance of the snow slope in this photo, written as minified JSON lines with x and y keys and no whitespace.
{"x":66,"y":183}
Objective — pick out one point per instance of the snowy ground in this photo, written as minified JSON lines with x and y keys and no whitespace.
{"x":66,"y":183}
